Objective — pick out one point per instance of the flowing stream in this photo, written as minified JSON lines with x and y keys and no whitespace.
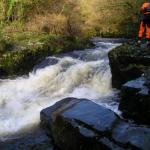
{"x":80,"y":74}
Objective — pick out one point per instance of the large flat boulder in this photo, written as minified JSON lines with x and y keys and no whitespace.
{"x":80,"y":124}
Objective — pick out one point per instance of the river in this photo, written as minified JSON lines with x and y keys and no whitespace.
{"x":81,"y":74}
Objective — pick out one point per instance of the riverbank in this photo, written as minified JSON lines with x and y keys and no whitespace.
{"x":20,"y":52}
{"x":130,"y":68}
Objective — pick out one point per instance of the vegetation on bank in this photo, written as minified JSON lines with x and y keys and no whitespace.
{"x":71,"y":17}
{"x":33,"y":29}
{"x":20,"y":52}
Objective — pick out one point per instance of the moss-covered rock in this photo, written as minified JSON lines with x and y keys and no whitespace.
{"x":128,"y":62}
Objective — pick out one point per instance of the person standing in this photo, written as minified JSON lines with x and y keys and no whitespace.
{"x":144,"y":23}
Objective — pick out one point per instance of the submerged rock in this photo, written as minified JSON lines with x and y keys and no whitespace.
{"x":80,"y":124}
{"x":47,"y":62}
{"x":135,"y":100}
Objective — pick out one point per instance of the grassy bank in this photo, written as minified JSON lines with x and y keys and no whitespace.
{"x":19,"y":52}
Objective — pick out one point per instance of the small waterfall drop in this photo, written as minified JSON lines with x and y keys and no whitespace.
{"x":80,"y":74}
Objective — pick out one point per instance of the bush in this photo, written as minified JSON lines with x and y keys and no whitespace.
{"x":74,"y":18}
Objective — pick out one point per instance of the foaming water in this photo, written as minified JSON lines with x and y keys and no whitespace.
{"x":80,"y":74}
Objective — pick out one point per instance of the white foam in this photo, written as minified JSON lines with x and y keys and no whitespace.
{"x":22,"y":99}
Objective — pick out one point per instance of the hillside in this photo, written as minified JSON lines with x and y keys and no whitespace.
{"x":71,"y":17}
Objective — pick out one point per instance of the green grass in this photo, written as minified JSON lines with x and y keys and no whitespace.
{"x":21,"y":51}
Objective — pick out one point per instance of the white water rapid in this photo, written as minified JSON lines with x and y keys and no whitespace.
{"x":80,"y":74}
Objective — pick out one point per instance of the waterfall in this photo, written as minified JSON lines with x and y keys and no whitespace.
{"x":80,"y":74}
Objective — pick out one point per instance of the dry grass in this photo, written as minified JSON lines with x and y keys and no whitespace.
{"x":79,"y":17}
{"x":50,"y":23}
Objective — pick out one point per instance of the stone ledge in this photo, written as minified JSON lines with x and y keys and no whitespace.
{"x":80,"y":124}
{"x":127,"y":63}
{"x":135,"y":100}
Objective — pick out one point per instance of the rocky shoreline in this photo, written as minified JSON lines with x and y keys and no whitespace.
{"x":130,"y":67}
{"x":80,"y":124}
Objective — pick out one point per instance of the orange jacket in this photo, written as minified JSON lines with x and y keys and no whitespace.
{"x":145,"y":9}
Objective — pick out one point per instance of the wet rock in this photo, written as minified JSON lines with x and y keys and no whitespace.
{"x":110,"y":145}
{"x":47,"y":62}
{"x":132,"y":136}
{"x":127,"y":63}
{"x":80,"y":124}
{"x":2,"y":72}
{"x":135,"y":101}
{"x":35,"y":141}
{"x":147,"y":78}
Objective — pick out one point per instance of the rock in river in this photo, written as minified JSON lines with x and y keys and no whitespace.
{"x":127,"y":63}
{"x":80,"y":124}
{"x":135,"y":100}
